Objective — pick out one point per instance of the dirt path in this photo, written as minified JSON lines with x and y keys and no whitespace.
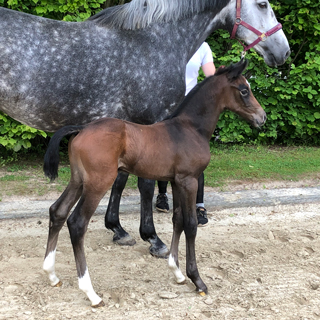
{"x":258,"y":263}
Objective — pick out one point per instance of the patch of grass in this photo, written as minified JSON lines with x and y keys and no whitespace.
{"x":228,"y":164}
{"x":258,"y":163}
{"x":16,"y":167}
{"x":12,"y":177}
{"x":64,"y":174}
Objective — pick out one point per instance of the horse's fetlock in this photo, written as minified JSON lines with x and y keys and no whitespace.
{"x":149,"y":234}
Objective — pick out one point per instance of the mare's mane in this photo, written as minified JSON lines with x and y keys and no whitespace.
{"x":234,"y":70}
{"x":139,"y":14}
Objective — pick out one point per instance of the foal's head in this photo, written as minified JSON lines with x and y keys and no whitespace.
{"x":236,"y":94}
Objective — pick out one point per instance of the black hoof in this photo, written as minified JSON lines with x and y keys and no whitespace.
{"x":162,"y":252}
{"x":125,"y":241}
{"x":204,"y":291}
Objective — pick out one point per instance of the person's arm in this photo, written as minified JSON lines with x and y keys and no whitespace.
{"x":208,"y":69}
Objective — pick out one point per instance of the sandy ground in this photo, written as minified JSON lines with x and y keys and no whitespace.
{"x":258,"y":263}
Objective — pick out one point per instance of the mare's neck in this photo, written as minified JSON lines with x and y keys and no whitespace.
{"x":189,"y":33}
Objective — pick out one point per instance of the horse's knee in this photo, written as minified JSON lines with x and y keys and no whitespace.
{"x":146,"y":188}
{"x":57,"y":217}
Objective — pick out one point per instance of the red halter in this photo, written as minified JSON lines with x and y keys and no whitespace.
{"x":261,"y":36}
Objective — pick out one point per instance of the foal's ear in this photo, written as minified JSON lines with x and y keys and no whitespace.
{"x":237,"y":69}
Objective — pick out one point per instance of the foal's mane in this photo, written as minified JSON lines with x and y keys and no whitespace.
{"x":232,"y":72}
{"x":139,"y":14}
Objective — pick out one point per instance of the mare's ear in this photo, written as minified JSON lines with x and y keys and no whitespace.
{"x":237,"y":69}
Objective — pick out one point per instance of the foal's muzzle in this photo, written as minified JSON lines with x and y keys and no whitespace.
{"x":260,"y":120}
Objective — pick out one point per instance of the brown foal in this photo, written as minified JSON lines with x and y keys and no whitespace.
{"x":176,"y":150}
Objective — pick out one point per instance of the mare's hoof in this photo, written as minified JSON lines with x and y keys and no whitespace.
{"x":59,"y":284}
{"x":125,"y":241}
{"x":202,"y":293}
{"x":99,"y":305}
{"x":162,"y":252}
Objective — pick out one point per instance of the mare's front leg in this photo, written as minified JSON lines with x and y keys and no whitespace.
{"x":112,"y":221}
{"x":147,"y":229}
{"x":188,"y":187}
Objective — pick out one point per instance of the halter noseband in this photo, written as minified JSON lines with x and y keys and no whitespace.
{"x":262,"y":36}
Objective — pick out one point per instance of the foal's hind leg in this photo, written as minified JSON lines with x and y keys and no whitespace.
{"x":77,"y":224}
{"x":112,"y":221}
{"x":58,"y":215}
{"x":147,"y":229}
{"x":94,"y":189}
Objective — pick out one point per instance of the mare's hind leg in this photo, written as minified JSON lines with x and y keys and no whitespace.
{"x":177,"y":221}
{"x":147,"y":229}
{"x":112,"y":221}
{"x":58,"y":215}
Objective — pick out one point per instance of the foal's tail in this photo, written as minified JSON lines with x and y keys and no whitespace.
{"x":51,"y":158}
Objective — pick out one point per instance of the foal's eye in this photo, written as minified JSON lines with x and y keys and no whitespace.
{"x":244,"y":92}
{"x":263,"y":5}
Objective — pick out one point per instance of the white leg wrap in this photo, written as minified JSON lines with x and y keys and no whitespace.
{"x":176,"y":271}
{"x":86,"y":286}
{"x":48,"y":267}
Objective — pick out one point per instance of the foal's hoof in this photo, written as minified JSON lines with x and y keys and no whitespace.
{"x":125,"y":241}
{"x":59,"y":284}
{"x":162,"y":252}
{"x":202,"y":293}
{"x":99,"y":305}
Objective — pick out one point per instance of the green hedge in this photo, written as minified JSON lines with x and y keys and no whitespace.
{"x":290,"y":94}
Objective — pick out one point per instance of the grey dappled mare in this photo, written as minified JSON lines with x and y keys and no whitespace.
{"x":126,"y":62}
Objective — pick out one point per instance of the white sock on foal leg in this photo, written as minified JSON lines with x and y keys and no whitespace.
{"x":86,"y":286}
{"x":48,"y":267}
{"x":176,"y":271}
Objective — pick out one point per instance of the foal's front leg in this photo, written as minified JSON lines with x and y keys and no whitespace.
{"x":187,"y":191}
{"x":177,"y":221}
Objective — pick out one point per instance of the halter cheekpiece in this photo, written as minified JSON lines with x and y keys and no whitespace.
{"x":262,"y":36}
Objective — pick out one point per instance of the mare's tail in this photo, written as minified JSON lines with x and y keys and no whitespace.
{"x":51,"y":158}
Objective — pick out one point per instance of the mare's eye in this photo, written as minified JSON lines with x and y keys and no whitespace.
{"x":263,"y":5}
{"x":244,"y":92}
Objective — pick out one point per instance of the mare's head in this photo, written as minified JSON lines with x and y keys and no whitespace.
{"x":259,"y":14}
{"x":234,"y":94}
